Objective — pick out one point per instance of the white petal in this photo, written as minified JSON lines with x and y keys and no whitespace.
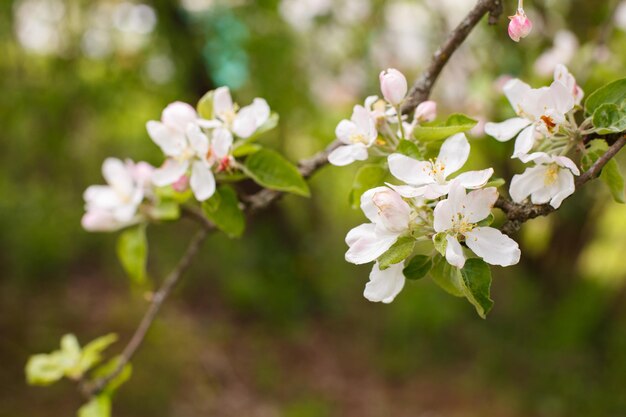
{"x":169,"y":172}
{"x":364,"y":122}
{"x":347,"y":154}
{"x":344,"y":130}
{"x":515,"y":91}
{"x":221,"y":143}
{"x":197,"y":140}
{"x":523,"y":185}
{"x":101,"y":197}
{"x":170,"y":141}
{"x":393,"y":211}
{"x":178,"y":116}
{"x":454,"y":252}
{"x":409,"y":170}
{"x":478,"y":204}
{"x":407,"y":191}
{"x":385,"y":285}
{"x":475,"y":179}
{"x":506,"y":130}
{"x":454,"y":153}
{"x":367,"y":203}
{"x":493,"y":246}
{"x":244,"y":124}
{"x":566,"y":187}
{"x":443,"y":216}
{"x":202,"y":181}
{"x":222,"y":102}
{"x":434,"y":191}
{"x":116,"y":174}
{"x":261,"y":111}
{"x":562,"y":97}
{"x":524,"y":142}
{"x":100,"y":221}
{"x":366,"y":244}
{"x":565,"y":162}
{"x":537,"y":157}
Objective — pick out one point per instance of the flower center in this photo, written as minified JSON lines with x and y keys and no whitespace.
{"x":357,"y":138}
{"x":228,"y":116}
{"x":552,"y":173}
{"x":437,"y":171}
{"x":549,"y":123}
{"x":461,"y":226}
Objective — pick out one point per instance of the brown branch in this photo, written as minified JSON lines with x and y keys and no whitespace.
{"x":519,"y":213}
{"x":421,"y":89}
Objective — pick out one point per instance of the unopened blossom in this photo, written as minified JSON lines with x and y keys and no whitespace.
{"x":187,"y":148}
{"x":241,"y":122}
{"x":429,"y":179}
{"x":384,"y":285}
{"x":541,"y":112}
{"x":393,"y":85}
{"x":426,"y":111}
{"x":390,"y":216}
{"x":458,"y":217}
{"x":356,"y":134}
{"x":115,"y":205}
{"x":520,"y":25}
{"x":551,"y":180}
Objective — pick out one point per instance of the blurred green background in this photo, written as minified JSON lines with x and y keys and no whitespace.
{"x":274,"y":324}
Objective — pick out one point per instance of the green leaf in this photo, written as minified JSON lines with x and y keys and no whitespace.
{"x":165,"y":210}
{"x":495,"y":182}
{"x":447,"y":276}
{"x":43,"y":369}
{"x":246,"y":149}
{"x":441,"y":243}
{"x":99,"y":406}
{"x":487,"y":221}
{"x":613,"y":178}
{"x":614,"y":92}
{"x":92,"y":352}
{"x":410,"y":149}
{"x":269,"y":169}
{"x":269,"y":124}
{"x":224,"y":211}
{"x":609,"y":118}
{"x":205,"y":106}
{"x":397,"y":253}
{"x":367,"y":177}
{"x":476,"y":282}
{"x":594,"y":150}
{"x":417,"y":267}
{"x":132,"y":251}
{"x":108,"y":368}
{"x":456,"y":123}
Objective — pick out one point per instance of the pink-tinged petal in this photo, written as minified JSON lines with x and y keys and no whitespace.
{"x":520,"y":26}
{"x":515,"y":91}
{"x":101,"y":197}
{"x":426,"y":111}
{"x":170,"y":141}
{"x":506,"y":130}
{"x":197,"y":140}
{"x":565,"y":162}
{"x":523,"y":185}
{"x":393,"y":212}
{"x":169,"y":172}
{"x":384,"y":285}
{"x":117,"y":174}
{"x":493,"y":246}
{"x":478,"y":204}
{"x":524,"y":142}
{"x":347,"y":154}
{"x":474,"y":179}
{"x":178,"y":115}
{"x":367,"y":203}
{"x":141,"y":171}
{"x":393,"y":85}
{"x":565,"y":186}
{"x":221,"y":143}
{"x":454,"y":153}
{"x":345,"y":130}
{"x":408,"y":191}
{"x":100,"y":221}
{"x":202,"y":181}
{"x":454,"y":252}
{"x":409,"y":170}
{"x":366,"y":244}
{"x":222,"y":102}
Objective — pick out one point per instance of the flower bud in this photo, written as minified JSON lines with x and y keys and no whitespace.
{"x":519,"y":26}
{"x":426,"y":111}
{"x":393,"y":86}
{"x":181,"y":184}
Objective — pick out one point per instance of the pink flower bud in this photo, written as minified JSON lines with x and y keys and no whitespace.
{"x":181,"y":184}
{"x":519,"y":26}
{"x":426,"y":111}
{"x":393,"y":86}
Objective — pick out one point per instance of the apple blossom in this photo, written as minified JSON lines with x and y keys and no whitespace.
{"x":384,"y":285}
{"x":393,"y":85}
{"x":114,"y":206}
{"x":357,"y":134}
{"x":457,"y":218}
{"x":426,"y":111}
{"x":390,"y":216}
{"x":540,"y":111}
{"x":429,"y":179}
{"x":243,"y":122}
{"x":551,"y":180}
{"x":520,"y":25}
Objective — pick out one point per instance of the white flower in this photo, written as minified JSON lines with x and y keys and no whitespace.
{"x":429,"y":179}
{"x":385,"y":285}
{"x":541,"y":111}
{"x":180,"y":138}
{"x":358,"y":134}
{"x":551,"y":180}
{"x":390,"y":216}
{"x":243,"y":122}
{"x":113,"y":206}
{"x":457,"y":217}
{"x":393,"y":85}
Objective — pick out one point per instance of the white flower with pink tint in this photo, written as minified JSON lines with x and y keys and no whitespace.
{"x":457,"y":217}
{"x":357,"y":135}
{"x":115,"y":205}
{"x":393,"y":85}
{"x":520,"y":25}
{"x":243,"y":122}
{"x":426,"y":111}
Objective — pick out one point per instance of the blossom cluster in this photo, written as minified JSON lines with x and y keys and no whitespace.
{"x":197,"y":147}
